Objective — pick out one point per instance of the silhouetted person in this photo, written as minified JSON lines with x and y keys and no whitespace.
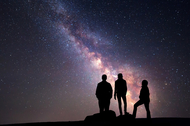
{"x":104,"y":94}
{"x":120,"y":92}
{"x":144,"y":99}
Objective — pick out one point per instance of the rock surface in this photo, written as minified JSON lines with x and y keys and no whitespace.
{"x":105,"y":116}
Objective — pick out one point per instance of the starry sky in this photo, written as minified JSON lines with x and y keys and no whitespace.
{"x":54,"y":52}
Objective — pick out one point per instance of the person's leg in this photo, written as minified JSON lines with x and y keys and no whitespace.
{"x":119,"y":104}
{"x":146,"y":104}
{"x":101,"y":106}
{"x":106,"y":104}
{"x":125,"y":103}
{"x":135,"y":107}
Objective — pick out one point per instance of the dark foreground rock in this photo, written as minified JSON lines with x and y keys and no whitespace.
{"x":109,"y":116}
{"x":109,"y":119}
{"x":127,"y":117}
{"x":135,"y":122}
{"x":105,"y":116}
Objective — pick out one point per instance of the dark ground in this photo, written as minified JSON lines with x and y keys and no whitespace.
{"x":137,"y":122}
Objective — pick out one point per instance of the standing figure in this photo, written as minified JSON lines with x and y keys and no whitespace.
{"x":104,"y":94}
{"x":120,"y":92}
{"x":144,"y":99}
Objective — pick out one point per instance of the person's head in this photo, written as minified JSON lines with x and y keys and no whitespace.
{"x":144,"y":83}
{"x":120,"y":76}
{"x":104,"y":77}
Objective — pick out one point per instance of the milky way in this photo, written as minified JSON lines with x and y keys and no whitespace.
{"x":93,"y":60}
{"x":55,"y":52}
{"x":78,"y":38}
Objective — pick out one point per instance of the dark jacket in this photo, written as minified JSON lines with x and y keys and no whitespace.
{"x":144,"y":94}
{"x":104,"y":90}
{"x":120,"y":87}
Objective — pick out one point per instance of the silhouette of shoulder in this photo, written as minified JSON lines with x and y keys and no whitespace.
{"x":104,"y":85}
{"x":122,"y":81}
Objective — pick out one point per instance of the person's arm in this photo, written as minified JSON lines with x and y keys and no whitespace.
{"x":148,"y":93}
{"x":125,"y":87}
{"x":140,"y":96}
{"x":111,"y":91}
{"x":97,"y":91}
{"x":115,"y":92}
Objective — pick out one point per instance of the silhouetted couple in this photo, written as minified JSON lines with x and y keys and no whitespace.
{"x":104,"y":95}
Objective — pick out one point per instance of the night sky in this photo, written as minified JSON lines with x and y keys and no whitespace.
{"x":53,"y":54}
